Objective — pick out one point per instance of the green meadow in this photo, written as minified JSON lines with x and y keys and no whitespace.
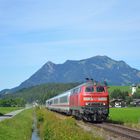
{"x":128,"y":116}
{"x":18,"y":127}
{"x":122,"y":88}
{"x":4,"y":110}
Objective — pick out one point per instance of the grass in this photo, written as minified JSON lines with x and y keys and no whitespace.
{"x":53,"y":128}
{"x":17,"y":128}
{"x":122,"y":88}
{"x":127,"y":116}
{"x":4,"y":110}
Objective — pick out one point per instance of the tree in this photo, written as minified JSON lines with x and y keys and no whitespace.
{"x":118,"y":94}
{"x":12,"y":102}
{"x":136,"y":95}
{"x":128,"y":100}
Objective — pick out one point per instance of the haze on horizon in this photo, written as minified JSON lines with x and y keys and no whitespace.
{"x":33,"y":32}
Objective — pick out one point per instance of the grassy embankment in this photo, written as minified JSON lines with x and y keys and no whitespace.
{"x":126,"y":116}
{"x":4,"y":110}
{"x":53,"y":128}
{"x":17,"y":128}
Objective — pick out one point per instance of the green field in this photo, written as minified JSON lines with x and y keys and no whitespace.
{"x":128,"y":116}
{"x":4,"y":110}
{"x":122,"y":88}
{"x":17,"y":128}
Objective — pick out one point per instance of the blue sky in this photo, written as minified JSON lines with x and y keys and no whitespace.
{"x":33,"y":32}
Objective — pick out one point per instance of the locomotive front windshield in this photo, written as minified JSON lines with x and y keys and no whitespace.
{"x":97,"y":89}
{"x":100,"y":89}
{"x":89,"y":89}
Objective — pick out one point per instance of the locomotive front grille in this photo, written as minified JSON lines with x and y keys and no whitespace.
{"x":94,"y":109}
{"x":97,"y":104}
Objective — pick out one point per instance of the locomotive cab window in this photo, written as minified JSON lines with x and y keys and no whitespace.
{"x":89,"y":89}
{"x":100,"y":89}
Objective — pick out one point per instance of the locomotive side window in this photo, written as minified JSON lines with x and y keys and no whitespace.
{"x":100,"y":89}
{"x":89,"y":89}
{"x":79,"y":90}
{"x":76,"y":90}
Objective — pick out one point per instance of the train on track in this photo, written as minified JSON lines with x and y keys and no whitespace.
{"x":88,"y":101}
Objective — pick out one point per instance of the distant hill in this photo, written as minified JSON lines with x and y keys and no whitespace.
{"x":39,"y":93}
{"x":99,"y":68}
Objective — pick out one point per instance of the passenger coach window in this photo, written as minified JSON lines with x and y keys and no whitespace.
{"x":89,"y":89}
{"x":64,"y":99}
{"x":50,"y":102}
{"x":100,"y":89}
{"x":55,"y":101}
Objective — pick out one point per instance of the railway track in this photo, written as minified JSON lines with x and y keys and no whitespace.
{"x":120,"y":130}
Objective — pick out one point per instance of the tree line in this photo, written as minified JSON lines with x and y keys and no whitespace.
{"x":17,"y":102}
{"x":43,"y":92}
{"x":40,"y":93}
{"x":124,"y":95}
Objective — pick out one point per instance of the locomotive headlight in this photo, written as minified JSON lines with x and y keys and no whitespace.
{"x":102,"y":99}
{"x":88,"y":99}
{"x":87,"y":103}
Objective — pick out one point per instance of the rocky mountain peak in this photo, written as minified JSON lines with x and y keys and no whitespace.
{"x":98,"y":67}
{"x":49,"y":66}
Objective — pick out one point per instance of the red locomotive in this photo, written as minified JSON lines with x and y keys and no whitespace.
{"x":88,"y":101}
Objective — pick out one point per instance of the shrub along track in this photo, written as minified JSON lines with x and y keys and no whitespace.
{"x":118,"y":131}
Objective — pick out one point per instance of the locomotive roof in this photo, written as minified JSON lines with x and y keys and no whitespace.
{"x":87,"y":84}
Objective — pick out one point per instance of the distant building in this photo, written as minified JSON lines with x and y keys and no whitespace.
{"x":117,"y":103}
{"x":135,"y":102}
{"x":134,"y":88}
{"x":35,"y":104}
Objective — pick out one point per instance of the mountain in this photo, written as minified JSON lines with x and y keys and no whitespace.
{"x":99,"y":68}
{"x":4,"y":91}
